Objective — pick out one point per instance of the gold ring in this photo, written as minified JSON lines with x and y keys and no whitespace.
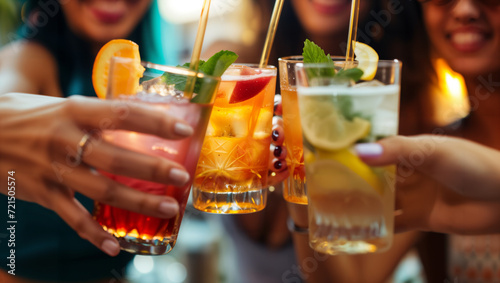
{"x":82,"y":144}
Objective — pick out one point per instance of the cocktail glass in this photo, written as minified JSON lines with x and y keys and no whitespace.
{"x":232,"y":171}
{"x":351,"y":205}
{"x":295,"y":185}
{"x":135,"y":232}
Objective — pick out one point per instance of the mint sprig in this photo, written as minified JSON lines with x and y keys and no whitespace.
{"x":215,"y":66}
{"x":312,"y":53}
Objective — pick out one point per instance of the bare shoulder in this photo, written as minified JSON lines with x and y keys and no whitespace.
{"x":27,"y":66}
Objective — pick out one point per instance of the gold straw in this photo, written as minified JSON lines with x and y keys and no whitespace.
{"x":198,"y":44}
{"x":273,"y":25}
{"x":353,"y":28}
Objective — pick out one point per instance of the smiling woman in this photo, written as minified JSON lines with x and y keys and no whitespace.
{"x":53,"y":56}
{"x":101,"y":21}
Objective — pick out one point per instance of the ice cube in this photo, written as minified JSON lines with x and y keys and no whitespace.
{"x":372,"y":83}
{"x":264,"y":122}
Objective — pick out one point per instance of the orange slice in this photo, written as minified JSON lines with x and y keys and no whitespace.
{"x":126,"y":76}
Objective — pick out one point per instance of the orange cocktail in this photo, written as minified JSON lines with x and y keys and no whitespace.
{"x":232,"y":170}
{"x":295,"y":185}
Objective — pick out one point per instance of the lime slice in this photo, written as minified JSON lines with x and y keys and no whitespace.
{"x":325,"y":128}
{"x":367,"y":59}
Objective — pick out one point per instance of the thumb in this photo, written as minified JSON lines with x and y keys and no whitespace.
{"x":392,"y":150}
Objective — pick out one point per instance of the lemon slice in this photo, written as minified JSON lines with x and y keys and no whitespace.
{"x":324,"y":127}
{"x":352,"y":161}
{"x":367,"y":59}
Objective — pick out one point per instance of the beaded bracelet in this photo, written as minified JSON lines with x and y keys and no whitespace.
{"x":294,"y":228}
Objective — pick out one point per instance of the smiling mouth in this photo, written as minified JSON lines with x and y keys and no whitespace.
{"x":468,"y":41}
{"x":109,"y":12}
{"x":330,"y":7}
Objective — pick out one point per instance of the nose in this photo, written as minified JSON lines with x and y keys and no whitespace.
{"x":466,"y":10}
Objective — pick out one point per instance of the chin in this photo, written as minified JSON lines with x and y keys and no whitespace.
{"x":326,"y":29}
{"x":474,"y":67}
{"x":105,"y":34}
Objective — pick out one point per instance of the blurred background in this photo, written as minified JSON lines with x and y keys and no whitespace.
{"x":204,"y":254}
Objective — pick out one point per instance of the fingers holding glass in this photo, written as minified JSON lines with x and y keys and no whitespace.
{"x":133,"y":116}
{"x":278,"y":109}
{"x":80,"y":220}
{"x":277,"y":161}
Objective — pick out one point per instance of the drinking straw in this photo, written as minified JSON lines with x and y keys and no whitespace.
{"x":353,"y":28}
{"x":198,"y":44}
{"x":271,"y":32}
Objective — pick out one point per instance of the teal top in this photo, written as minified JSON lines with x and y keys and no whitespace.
{"x":46,"y":248}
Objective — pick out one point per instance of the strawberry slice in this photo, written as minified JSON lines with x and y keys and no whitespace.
{"x":247,"y":89}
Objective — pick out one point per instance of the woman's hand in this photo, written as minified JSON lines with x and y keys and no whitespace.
{"x":278,"y":170}
{"x":444,"y":184}
{"x":39,"y":140}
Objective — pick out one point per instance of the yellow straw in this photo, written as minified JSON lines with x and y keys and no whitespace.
{"x":198,"y":44}
{"x":271,"y":32}
{"x":353,"y":28}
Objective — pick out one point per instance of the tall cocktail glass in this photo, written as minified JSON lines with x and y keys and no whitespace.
{"x":294,"y":187}
{"x":232,"y":171}
{"x":351,"y":205}
{"x":144,"y":234}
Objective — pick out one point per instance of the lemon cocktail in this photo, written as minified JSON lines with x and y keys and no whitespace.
{"x":351,"y":205}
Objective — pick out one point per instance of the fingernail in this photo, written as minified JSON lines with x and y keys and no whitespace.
{"x":183,"y":129}
{"x":180,"y":177}
{"x":278,"y":165}
{"x":110,"y":247}
{"x":277,"y":151}
{"x":369,"y":149}
{"x":169,"y":208}
{"x":275,"y":135}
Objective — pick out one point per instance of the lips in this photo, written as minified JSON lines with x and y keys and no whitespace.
{"x":468,"y":40}
{"x":330,"y":7}
{"x":107,"y":17}
{"x":108,"y":12}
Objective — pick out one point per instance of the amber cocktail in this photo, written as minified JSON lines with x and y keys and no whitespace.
{"x":232,"y":171}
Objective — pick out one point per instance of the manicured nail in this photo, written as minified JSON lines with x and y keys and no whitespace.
{"x":169,"y":208}
{"x":277,"y":151}
{"x":369,"y":149}
{"x":278,"y":165}
{"x":110,"y":247}
{"x":183,"y":129}
{"x":180,"y":177}
{"x":276,"y":135}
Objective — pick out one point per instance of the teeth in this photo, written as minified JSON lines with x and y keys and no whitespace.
{"x":467,"y":38}
{"x":110,"y":6}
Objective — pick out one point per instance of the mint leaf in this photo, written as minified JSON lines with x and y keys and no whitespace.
{"x":353,"y":74}
{"x":218,"y":63}
{"x":215,"y":66}
{"x":312,"y":53}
